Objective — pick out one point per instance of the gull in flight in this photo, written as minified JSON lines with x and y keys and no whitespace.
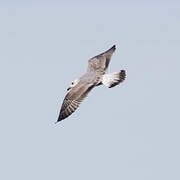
{"x":95,"y":75}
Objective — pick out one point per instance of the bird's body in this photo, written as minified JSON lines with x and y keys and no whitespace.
{"x":90,"y":77}
{"x":94,"y":76}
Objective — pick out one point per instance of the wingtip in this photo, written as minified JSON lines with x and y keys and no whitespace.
{"x":59,"y":119}
{"x":114,"y":46}
{"x":111,"y":50}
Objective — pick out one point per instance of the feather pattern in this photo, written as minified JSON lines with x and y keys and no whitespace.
{"x":94,"y":76}
{"x":113,"y":79}
{"x":73,"y":99}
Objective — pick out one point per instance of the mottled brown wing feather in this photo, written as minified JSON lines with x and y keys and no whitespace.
{"x":73,"y":99}
{"x":100,"y":62}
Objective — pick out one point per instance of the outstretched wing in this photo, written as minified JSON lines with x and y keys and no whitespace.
{"x":73,"y":99}
{"x":100,"y":62}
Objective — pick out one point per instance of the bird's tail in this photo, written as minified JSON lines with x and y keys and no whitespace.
{"x":113,"y":79}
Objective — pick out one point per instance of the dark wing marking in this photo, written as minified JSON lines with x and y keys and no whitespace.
{"x":100,"y":62}
{"x":73,"y":99}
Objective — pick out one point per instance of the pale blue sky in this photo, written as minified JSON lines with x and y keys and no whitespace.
{"x":127,"y":132}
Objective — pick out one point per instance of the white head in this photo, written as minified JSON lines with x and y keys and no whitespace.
{"x":74,"y":83}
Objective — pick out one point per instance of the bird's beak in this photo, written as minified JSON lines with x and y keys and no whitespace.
{"x":68,"y":88}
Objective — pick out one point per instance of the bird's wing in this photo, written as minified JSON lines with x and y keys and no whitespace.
{"x":100,"y":62}
{"x":73,"y":99}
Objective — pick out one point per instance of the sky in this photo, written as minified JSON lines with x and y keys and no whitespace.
{"x":127,"y":132}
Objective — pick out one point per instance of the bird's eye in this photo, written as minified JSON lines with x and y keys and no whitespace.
{"x":72,"y":83}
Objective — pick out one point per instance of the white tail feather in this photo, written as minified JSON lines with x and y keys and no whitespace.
{"x":113,"y":79}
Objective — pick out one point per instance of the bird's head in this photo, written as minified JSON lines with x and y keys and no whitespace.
{"x":74,"y":83}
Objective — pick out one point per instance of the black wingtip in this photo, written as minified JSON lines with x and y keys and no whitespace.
{"x":59,"y":119}
{"x":111,"y":50}
{"x":114,"y":47}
